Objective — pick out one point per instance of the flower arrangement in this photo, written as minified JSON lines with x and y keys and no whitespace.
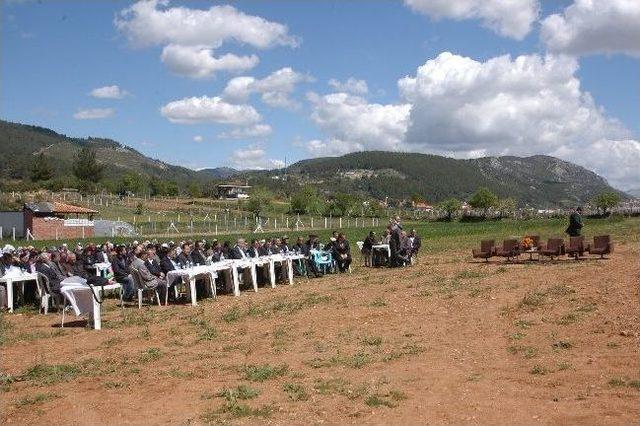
{"x":527,"y":243}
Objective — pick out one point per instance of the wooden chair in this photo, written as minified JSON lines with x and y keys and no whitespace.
{"x":487,"y":250}
{"x":510,"y":249}
{"x":554,"y":247}
{"x":576,"y":247}
{"x":601,"y":245}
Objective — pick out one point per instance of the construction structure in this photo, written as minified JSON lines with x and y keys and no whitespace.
{"x":52,"y":221}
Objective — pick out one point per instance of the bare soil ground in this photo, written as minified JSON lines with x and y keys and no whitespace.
{"x":444,"y":341}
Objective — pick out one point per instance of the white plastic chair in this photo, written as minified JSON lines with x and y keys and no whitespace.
{"x":141,"y":288}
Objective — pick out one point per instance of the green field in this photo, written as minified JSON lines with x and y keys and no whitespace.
{"x":436,"y":236}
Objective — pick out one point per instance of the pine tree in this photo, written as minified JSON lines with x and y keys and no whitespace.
{"x":41,"y":169}
{"x":85,"y":166}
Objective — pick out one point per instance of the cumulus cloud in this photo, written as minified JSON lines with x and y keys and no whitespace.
{"x":352,"y":124}
{"x":253,"y":157}
{"x":198,"y":138}
{"x":255,"y":131}
{"x":93,"y":113}
{"x":206,"y":109}
{"x":352,"y":85}
{"x":275,"y":89}
{"x":199,"y":62}
{"x":109,"y":92}
{"x":508,"y":18}
{"x":190,"y":36}
{"x":457,"y":106}
{"x":594,"y":26}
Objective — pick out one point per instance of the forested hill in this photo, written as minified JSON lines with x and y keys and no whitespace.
{"x":537,"y":180}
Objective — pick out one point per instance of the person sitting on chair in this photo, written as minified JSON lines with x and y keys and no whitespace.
{"x":342,"y":253}
{"x":149,"y":280}
{"x":184,"y":258}
{"x":121,"y":273}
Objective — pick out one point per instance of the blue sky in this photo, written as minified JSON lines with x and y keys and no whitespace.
{"x":54,"y":54}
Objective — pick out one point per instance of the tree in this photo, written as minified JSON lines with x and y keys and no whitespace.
{"x":507,"y":206}
{"x":259,"y":201}
{"x":483,"y":199}
{"x":195,"y":189}
{"x":345,"y":204}
{"x":85,"y":166}
{"x":607,"y":200}
{"x":417,"y":198}
{"x":306,"y":201}
{"x":133,"y":182}
{"x":41,"y":169}
{"x":450,"y":206}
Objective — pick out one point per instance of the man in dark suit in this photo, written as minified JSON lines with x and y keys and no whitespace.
{"x":43,"y":266}
{"x":575,"y":223}
{"x":239,"y":250}
{"x":416,"y":243}
{"x":198,"y":255}
{"x":313,"y":243}
{"x":121,"y":273}
{"x":342,"y":253}
{"x":184,"y":258}
{"x":152,"y":264}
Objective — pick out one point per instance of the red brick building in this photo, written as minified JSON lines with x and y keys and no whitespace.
{"x":52,"y":221}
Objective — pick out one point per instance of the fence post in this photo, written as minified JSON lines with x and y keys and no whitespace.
{"x":340,"y":222}
{"x":275,"y":223}
{"x":13,"y":233}
{"x":311,"y":222}
{"x":325,"y":223}
{"x":216,"y":229}
{"x":1,"y":235}
{"x":286,"y":226}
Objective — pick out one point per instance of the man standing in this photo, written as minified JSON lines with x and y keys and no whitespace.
{"x":575,"y":223}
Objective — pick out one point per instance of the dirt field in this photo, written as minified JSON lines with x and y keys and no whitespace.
{"x":444,"y":341}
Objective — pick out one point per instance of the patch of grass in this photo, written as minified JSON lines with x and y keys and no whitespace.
{"x":207,"y":333}
{"x":564,"y":365}
{"x":524,"y":324}
{"x":539,"y":370}
{"x":38,"y":398}
{"x":235,"y":410}
{"x":295,"y":392}
{"x":377,"y":400}
{"x":612,"y":345}
{"x":151,"y":354}
{"x":260,"y":373}
{"x":533,"y":300}
{"x":474,"y":377}
{"x":180,"y":374}
{"x":562,"y":344}
{"x":5,"y":329}
{"x":339,"y":387}
{"x":567,"y":319}
{"x":589,"y":307}
{"x":469,"y":274}
{"x":111,"y":342}
{"x":378,"y":302}
{"x":617,"y":382}
{"x":527,"y":351}
{"x":5,"y":381}
{"x":48,"y":374}
{"x":242,"y":392}
{"x":114,"y":385}
{"x":517,"y":336}
{"x":372,"y":340}
{"x":145,"y":333}
{"x":561,"y":290}
{"x":634,"y":384}
{"x":397,"y":395}
{"x":232,"y":315}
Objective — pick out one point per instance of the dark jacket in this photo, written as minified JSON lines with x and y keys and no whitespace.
{"x":253,"y":252}
{"x":575,"y":225}
{"x":120,"y":268}
{"x":184,"y":258}
{"x":153,"y":267}
{"x":50,"y":273}
{"x":198,"y":257}
{"x":236,"y":253}
{"x":166,"y":265}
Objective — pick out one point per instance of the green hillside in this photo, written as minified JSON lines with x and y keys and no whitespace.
{"x":538,"y":181}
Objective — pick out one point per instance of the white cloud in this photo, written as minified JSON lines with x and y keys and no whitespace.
{"x":191,"y":36}
{"x":509,"y":18}
{"x":199,"y":62}
{"x":460,"y":107}
{"x":352,"y":124}
{"x":352,"y":85}
{"x":109,"y":92}
{"x":255,"y":131}
{"x":198,"y":138}
{"x":594,"y":26}
{"x":253,"y":157}
{"x":148,"y":23}
{"x":213,"y":110}
{"x":93,"y":113}
{"x":275,"y":89}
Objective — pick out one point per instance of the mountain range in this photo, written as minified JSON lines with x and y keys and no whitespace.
{"x":540,"y":181}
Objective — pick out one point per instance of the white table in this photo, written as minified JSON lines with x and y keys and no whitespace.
{"x":81,"y":298}
{"x":13,"y":276}
{"x":101,"y":267}
{"x":191,"y":274}
{"x":382,"y":247}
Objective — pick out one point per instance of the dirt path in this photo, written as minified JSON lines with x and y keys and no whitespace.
{"x":445,"y":341}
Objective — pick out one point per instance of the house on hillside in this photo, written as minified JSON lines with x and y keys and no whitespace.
{"x":233,"y":191}
{"x":422,"y":207}
{"x":51,"y":221}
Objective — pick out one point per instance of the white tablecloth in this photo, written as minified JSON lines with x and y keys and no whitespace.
{"x":14,"y":275}
{"x":81,"y":298}
{"x":190,"y":274}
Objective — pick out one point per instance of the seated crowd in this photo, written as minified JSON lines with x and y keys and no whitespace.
{"x":152,"y":261}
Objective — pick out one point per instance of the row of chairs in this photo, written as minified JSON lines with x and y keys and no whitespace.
{"x":555,"y":247}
